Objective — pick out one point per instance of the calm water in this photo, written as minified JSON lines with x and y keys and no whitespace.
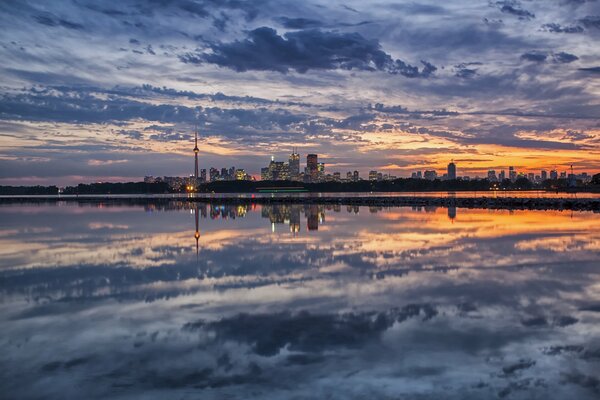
{"x":298,"y":302}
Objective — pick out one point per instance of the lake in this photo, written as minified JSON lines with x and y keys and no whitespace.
{"x":191,"y":301}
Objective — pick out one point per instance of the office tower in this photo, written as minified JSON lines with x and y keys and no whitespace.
{"x":512,"y":174}
{"x":196,"y":151}
{"x":231,"y":174}
{"x":294,"y":165}
{"x":531,"y":177}
{"x":544,"y":175}
{"x":419,"y":175}
{"x":349,"y":176}
{"x":413,"y":175}
{"x":312,"y":167}
{"x":430,"y":175}
{"x":553,"y":174}
{"x":492,"y":175}
{"x":451,"y":171}
{"x":372,"y":175}
{"x":356,"y":176}
{"x":320,"y":171}
{"x":203,"y":175}
{"x":563,"y":175}
{"x":240,"y":174}
{"x":213,"y":174}
{"x":501,"y":176}
{"x":337,"y":177}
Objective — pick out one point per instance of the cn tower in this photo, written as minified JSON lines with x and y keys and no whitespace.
{"x":196,"y":150}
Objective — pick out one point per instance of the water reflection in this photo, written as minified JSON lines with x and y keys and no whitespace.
{"x":193,"y":300}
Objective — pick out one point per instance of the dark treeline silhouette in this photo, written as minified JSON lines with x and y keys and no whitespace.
{"x":398,"y":185}
{"x":27,"y":190}
{"x":118,"y":188}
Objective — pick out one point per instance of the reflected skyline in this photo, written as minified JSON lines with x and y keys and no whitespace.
{"x":212,"y":301}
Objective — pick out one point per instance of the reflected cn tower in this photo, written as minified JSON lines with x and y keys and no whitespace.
{"x":196,"y":150}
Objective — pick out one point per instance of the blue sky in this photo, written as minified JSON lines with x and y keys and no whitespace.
{"x":112,"y":91}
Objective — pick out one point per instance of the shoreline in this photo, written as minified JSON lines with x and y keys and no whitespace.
{"x":509,"y":203}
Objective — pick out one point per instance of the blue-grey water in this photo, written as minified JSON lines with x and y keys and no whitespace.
{"x":297,"y":302}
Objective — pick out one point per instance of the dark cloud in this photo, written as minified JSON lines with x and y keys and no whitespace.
{"x":557,"y":28}
{"x":265,"y":50}
{"x":591,"y":21}
{"x":521,"y":365}
{"x":564,"y":58}
{"x":49,"y":19}
{"x":513,"y":7}
{"x":534,"y":56}
{"x":593,"y":70}
{"x":306,"y":332}
{"x":299,"y":23}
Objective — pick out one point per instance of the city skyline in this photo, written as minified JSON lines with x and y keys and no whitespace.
{"x":97,"y":93}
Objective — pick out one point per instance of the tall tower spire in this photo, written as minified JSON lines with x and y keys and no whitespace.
{"x":196,"y":150}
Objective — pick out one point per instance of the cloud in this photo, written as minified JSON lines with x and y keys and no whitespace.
{"x":564,"y":58}
{"x":591,"y":21}
{"x":534,"y":56}
{"x":557,"y":28}
{"x":299,"y":23}
{"x":264,"y":50}
{"x":514,"y":8}
{"x":592,"y":70}
{"x":49,"y":19}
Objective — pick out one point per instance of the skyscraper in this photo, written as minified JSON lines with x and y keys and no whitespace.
{"x":196,"y":151}
{"x":312,"y":167}
{"x":294,"y":163}
{"x":451,"y":171}
{"x":512,"y":174}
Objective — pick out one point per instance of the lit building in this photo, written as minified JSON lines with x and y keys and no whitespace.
{"x":241,"y":175}
{"x":320,"y":171}
{"x":276,"y":171}
{"x":349,"y":176}
{"x":294,"y":165}
{"x":337,"y":177}
{"x":356,"y":176}
{"x":451,"y":171}
{"x":372,"y":175}
{"x":312,"y":167}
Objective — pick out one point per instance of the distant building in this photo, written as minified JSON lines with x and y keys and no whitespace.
{"x":320,"y":171}
{"x":294,"y":165}
{"x":512,"y":174}
{"x":337,"y":177}
{"x":430,"y":175}
{"x":372,"y":175}
{"x":349,"y":176}
{"x":544,"y":175}
{"x":531,"y":177}
{"x":501,"y":176}
{"x":275,"y":171}
{"x":355,"y":176}
{"x":452,"y":171}
{"x":241,"y":175}
{"x":149,"y":179}
{"x":312,"y":167}
{"x":492,"y":176}
{"x":553,"y":174}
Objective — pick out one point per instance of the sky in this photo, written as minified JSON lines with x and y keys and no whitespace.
{"x":112,"y":91}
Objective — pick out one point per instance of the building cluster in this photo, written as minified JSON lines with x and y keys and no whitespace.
{"x":513,"y":175}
